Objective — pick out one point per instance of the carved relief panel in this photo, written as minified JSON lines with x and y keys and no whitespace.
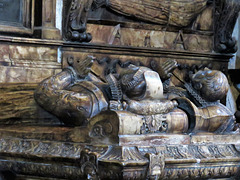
{"x":168,"y":24}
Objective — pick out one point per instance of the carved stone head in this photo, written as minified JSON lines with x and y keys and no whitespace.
{"x":211,"y":84}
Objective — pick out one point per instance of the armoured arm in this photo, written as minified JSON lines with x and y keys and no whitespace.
{"x":53,"y":95}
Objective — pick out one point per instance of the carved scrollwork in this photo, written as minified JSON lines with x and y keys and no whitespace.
{"x":115,"y":163}
{"x":123,"y":156}
{"x":88,"y":164}
{"x":40,"y":148}
{"x":156,"y":165}
{"x":76,"y":19}
{"x":200,"y":151}
{"x":102,"y":129}
{"x":226,"y":14}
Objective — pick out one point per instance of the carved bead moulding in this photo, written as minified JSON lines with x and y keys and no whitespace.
{"x":162,"y":23}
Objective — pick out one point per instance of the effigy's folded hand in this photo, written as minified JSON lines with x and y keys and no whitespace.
{"x":165,"y":70}
{"x":82,"y":67}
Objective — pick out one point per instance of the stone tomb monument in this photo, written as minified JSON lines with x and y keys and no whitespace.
{"x":141,"y":95}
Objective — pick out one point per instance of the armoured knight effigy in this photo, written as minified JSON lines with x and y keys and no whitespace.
{"x":147,"y":117}
{"x":135,"y":94}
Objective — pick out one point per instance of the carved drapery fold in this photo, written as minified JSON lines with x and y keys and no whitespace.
{"x":170,"y":12}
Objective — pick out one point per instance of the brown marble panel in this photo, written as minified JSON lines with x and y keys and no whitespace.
{"x":38,"y":74}
{"x":153,"y":139}
{"x":27,"y":63}
{"x":205,"y":19}
{"x":117,"y":35}
{"x":4,"y":51}
{"x":3,"y":74}
{"x":24,"y":75}
{"x":35,"y":64}
{"x":27,"y":52}
{"x":15,"y":74}
{"x":218,"y":139}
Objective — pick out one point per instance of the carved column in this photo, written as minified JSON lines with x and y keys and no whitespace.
{"x":49,"y":30}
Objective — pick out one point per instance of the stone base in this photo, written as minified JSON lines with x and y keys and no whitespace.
{"x":52,"y":152}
